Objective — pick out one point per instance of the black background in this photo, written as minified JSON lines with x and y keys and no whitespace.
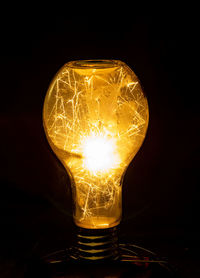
{"x":161,"y":195}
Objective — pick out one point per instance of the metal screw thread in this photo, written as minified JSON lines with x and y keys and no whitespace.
{"x":97,"y":244}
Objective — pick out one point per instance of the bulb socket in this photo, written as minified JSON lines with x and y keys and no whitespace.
{"x":97,"y":244}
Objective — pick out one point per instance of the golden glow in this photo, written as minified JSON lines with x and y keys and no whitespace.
{"x":99,"y":154}
{"x":95,"y":118}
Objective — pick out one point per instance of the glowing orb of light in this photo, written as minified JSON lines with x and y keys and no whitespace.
{"x":99,"y":154}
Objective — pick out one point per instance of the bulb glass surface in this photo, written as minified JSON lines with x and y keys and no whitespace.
{"x":95,"y":118}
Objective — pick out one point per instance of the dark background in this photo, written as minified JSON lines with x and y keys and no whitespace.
{"x":161,"y":195}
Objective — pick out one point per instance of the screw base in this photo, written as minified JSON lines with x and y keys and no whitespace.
{"x":96,"y":244}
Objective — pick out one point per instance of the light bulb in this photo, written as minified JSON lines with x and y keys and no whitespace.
{"x":95,"y":118}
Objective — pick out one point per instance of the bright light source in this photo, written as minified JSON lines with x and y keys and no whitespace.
{"x":99,"y":154}
{"x":95,"y":118}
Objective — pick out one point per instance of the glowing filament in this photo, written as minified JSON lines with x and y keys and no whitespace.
{"x":99,"y":154}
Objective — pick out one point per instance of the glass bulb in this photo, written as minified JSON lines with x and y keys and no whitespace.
{"x":95,"y":118}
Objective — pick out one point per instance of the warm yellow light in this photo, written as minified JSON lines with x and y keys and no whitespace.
{"x":99,"y":154}
{"x":95,"y":118}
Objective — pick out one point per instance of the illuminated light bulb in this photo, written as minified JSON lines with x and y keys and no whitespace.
{"x":95,"y":117}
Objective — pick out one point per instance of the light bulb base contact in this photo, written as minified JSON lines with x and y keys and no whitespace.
{"x":96,"y":244}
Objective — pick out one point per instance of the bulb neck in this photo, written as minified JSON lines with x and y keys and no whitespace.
{"x":97,"y":244}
